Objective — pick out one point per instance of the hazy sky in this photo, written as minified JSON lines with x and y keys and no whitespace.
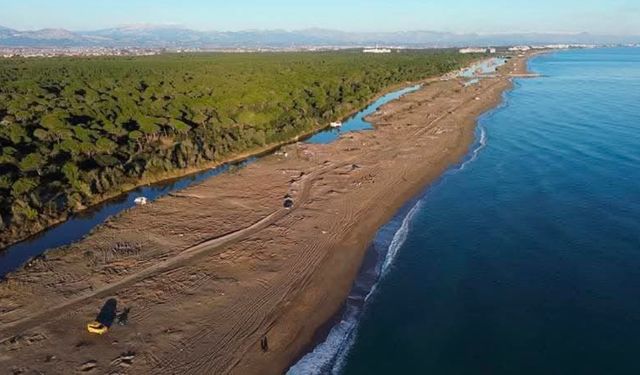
{"x":486,"y":16}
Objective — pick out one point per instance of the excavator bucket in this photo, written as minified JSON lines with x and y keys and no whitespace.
{"x":97,"y":328}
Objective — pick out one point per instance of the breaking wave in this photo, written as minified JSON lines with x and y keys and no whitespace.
{"x":329,"y":356}
{"x":480,"y":144}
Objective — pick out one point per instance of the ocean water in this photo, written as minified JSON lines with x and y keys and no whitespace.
{"x":523,"y":259}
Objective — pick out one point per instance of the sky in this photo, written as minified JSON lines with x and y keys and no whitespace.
{"x":611,"y":17}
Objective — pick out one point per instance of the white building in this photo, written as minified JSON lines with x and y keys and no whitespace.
{"x":520,"y":48}
{"x":376,"y":50}
{"x":477,"y":50}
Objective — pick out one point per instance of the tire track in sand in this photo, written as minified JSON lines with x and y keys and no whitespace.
{"x":13,"y":328}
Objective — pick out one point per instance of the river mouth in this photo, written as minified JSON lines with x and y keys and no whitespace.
{"x":81,"y":224}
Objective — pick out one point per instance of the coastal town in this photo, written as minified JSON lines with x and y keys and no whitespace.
{"x":26,"y":52}
{"x":35,"y":52}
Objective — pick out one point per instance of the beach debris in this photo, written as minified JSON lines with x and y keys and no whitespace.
{"x":140,"y":201}
{"x":123,"y":318}
{"x":19,"y":341}
{"x":124,"y":360}
{"x":88,"y":366}
{"x":282,"y":153}
{"x":124,"y":247}
{"x":35,"y":261}
{"x":288,"y":201}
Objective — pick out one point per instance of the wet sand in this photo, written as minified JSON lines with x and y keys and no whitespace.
{"x":211,"y":270}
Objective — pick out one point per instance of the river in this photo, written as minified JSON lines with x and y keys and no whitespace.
{"x":83,"y":223}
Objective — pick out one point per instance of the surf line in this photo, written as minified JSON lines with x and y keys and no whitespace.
{"x":329,"y":356}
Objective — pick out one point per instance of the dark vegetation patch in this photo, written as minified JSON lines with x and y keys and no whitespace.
{"x":73,"y":130}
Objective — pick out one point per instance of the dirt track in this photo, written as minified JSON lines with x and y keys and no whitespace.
{"x":211,"y":270}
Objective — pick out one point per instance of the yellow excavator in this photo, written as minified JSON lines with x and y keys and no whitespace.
{"x":105,"y":318}
{"x":97,"y":328}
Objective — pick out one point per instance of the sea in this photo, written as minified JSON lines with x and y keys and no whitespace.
{"x":525,"y":257}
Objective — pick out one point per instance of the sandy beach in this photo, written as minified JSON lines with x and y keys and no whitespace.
{"x":210,"y":271}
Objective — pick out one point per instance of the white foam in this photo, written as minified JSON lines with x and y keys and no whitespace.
{"x":398,"y":240}
{"x":329,"y":356}
{"x":482,"y":142}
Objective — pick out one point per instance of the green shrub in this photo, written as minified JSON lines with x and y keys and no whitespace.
{"x":88,"y":125}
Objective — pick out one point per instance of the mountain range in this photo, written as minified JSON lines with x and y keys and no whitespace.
{"x":180,"y":37}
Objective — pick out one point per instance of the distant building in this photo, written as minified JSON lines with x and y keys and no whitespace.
{"x":477,"y":50}
{"x":520,"y":48}
{"x":377,"y":50}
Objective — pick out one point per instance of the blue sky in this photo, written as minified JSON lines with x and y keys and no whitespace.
{"x":487,"y":16}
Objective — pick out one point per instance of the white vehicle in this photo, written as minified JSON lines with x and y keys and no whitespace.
{"x":141,"y":201}
{"x":336,"y":124}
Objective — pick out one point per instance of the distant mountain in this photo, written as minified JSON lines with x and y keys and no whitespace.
{"x":175,"y":36}
{"x":146,"y":35}
{"x":43,"y":38}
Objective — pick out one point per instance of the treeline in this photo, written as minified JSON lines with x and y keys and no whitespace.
{"x":73,"y":130}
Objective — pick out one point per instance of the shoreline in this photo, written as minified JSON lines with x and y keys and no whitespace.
{"x":407,"y":197}
{"x":367,"y":267}
{"x":282,"y":277}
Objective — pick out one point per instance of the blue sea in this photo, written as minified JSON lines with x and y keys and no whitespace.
{"x":523,"y":259}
